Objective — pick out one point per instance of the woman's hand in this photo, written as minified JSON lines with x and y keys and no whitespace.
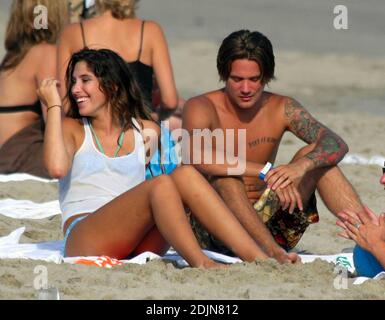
{"x":365,"y":228}
{"x":48,"y":92}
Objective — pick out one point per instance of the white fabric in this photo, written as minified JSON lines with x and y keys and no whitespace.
{"x":22,"y":177}
{"x":95,"y":179}
{"x":352,"y":158}
{"x":342,"y":259}
{"x":89,"y":3}
{"x":26,"y":209}
{"x":10,"y":248}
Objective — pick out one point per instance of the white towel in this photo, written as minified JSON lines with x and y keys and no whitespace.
{"x":22,"y":177}
{"x":51,"y":251}
{"x":352,"y":158}
{"x":26,"y":209}
{"x":10,"y":248}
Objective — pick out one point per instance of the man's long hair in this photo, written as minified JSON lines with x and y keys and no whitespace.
{"x":244,"y":44}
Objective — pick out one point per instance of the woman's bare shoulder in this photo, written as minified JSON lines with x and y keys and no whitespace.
{"x":70,"y":29}
{"x":153,"y":28}
{"x":150,"y":125}
{"x":42,"y":51}
{"x":72,"y":125}
{"x":70,"y":33}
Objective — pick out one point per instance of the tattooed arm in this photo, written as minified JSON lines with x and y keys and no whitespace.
{"x":329,"y":148}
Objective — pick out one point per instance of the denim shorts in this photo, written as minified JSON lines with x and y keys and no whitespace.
{"x":69,"y":229}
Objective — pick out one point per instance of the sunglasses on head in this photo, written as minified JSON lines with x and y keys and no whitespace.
{"x":383,"y":168}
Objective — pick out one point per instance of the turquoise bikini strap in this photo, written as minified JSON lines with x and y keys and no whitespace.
{"x":100,"y":147}
{"x":120,"y":143}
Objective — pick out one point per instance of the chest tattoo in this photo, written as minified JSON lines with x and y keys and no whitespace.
{"x":255,"y":142}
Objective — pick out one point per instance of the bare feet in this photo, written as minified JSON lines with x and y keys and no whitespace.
{"x":211,"y":264}
{"x":283,"y":257}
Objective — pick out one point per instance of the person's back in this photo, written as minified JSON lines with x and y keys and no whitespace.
{"x":18,"y":88}
{"x":30,"y":57}
{"x":140,"y":43}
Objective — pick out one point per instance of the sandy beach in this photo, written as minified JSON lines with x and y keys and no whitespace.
{"x":338,"y":75}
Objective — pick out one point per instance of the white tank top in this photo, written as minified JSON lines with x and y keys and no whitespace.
{"x":95,"y":179}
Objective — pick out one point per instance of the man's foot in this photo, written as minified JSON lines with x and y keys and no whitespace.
{"x":210,"y":264}
{"x":283,"y":257}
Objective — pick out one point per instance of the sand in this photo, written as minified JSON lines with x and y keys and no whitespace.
{"x":344,"y":90}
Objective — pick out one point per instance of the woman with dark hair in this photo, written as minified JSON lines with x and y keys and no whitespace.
{"x":99,"y":155}
{"x":142,"y":45}
{"x":30,"y":57}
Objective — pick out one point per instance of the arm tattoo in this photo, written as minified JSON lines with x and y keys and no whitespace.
{"x":329,"y":147}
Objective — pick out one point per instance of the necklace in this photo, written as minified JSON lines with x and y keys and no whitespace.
{"x":100,"y":147}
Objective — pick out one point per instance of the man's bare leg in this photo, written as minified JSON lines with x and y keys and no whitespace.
{"x":233,"y":192}
{"x":334,"y":188}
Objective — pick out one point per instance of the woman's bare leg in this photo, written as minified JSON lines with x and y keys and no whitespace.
{"x":153,"y":241}
{"x":213,"y":214}
{"x":119,"y":227}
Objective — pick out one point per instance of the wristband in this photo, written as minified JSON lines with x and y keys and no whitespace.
{"x":265,"y":170}
{"x":55,"y":105}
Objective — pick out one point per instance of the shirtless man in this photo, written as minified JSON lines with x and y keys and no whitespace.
{"x":245,"y":63}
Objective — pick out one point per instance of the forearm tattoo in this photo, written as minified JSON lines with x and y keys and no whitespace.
{"x":329,"y":149}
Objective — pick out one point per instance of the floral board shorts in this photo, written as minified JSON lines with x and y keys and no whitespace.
{"x":286,"y":228}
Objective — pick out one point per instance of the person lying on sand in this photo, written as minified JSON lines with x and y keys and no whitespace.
{"x":245,"y":62}
{"x":98,"y":154}
{"x":367,"y":230}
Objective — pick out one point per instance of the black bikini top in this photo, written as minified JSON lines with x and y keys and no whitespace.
{"x":36,"y":107}
{"x":142,"y":72}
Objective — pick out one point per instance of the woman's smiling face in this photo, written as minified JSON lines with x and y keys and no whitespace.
{"x":86,"y":90}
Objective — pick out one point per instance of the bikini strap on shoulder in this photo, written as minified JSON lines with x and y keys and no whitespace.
{"x":141,"y":39}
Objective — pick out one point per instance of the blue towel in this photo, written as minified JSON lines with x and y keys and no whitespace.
{"x":165,"y":160}
{"x":365,"y":263}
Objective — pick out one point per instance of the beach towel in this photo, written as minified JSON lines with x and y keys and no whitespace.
{"x":23,"y":177}
{"x":358,"y":159}
{"x":50,"y":251}
{"x":165,"y":160}
{"x":26,"y":209}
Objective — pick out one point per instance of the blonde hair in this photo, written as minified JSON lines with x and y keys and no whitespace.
{"x":21,"y":34}
{"x":120,"y":9}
